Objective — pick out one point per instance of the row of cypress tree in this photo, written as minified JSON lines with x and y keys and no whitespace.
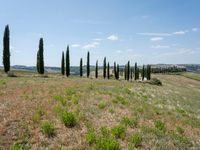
{"x":65,"y":63}
{"x":128,"y":70}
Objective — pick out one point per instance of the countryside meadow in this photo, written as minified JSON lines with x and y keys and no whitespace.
{"x":99,"y":75}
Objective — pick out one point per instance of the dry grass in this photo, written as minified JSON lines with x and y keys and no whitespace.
{"x":29,"y":100}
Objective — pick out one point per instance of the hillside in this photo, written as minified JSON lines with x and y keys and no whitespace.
{"x":108,"y":113}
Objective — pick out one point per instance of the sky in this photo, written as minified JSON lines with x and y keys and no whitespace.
{"x":143,"y":31}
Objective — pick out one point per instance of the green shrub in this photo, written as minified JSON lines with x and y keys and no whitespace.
{"x":155,"y":81}
{"x":102,"y":105}
{"x":118,"y":131}
{"x":107,"y":144}
{"x":135,"y":140}
{"x":68,"y":118}
{"x":160,"y":125}
{"x":91,"y":137}
{"x":48,"y":129}
{"x":129,"y":122}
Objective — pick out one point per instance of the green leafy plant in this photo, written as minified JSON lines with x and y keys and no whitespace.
{"x":48,"y":129}
{"x":160,"y":125}
{"x":102,"y":105}
{"x":68,"y":118}
{"x":91,"y":137}
{"x":118,"y":131}
{"x":107,"y":144}
{"x":180,"y":130}
{"x":129,"y":122}
{"x":135,"y":140}
{"x":15,"y":146}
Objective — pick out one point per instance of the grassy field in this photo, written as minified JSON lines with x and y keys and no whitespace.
{"x":56,"y":112}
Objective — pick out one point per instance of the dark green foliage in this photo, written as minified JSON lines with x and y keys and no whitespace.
{"x":135,"y":71}
{"x":117,"y":71}
{"x":148,"y":72}
{"x":125,"y":72}
{"x":96,"y":69}
{"x":6,"y":49}
{"x":143,"y":72}
{"x":88,"y":64}
{"x":63,"y":64}
{"x":131,"y":73}
{"x":67,"y":62}
{"x":108,"y":71}
{"x":81,"y":67}
{"x":40,"y":57}
{"x":128,"y":71}
{"x":104,"y":68}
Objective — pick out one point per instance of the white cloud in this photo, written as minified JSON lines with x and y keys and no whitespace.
{"x":182,"y":51}
{"x":195,"y":29}
{"x":92,"y":45}
{"x":154,"y":39}
{"x":75,"y":45}
{"x":154,"y":34}
{"x":113,"y":38}
{"x":118,"y":51}
{"x":180,"y":32}
{"x":97,"y":39}
{"x":160,"y":46}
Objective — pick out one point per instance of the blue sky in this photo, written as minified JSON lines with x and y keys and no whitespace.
{"x":143,"y":31}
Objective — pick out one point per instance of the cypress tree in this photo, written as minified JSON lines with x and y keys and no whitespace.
{"x":40,"y":57}
{"x":6,"y":49}
{"x":108,"y":71}
{"x":125,"y":72}
{"x":143,"y":71}
{"x":128,"y":70}
{"x":63,"y":64}
{"x":104,"y":68}
{"x":67,"y":62}
{"x":148,"y":72}
{"x":88,"y":64}
{"x":96,"y":69}
{"x":131,"y":73}
{"x":81,"y":67}
{"x":115,"y":70}
{"x":135,"y":71}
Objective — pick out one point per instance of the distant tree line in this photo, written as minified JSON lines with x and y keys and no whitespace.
{"x":129,"y":72}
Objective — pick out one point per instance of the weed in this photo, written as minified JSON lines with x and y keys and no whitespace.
{"x":48,"y":129}
{"x":129,"y":122}
{"x":111,"y":110}
{"x":36,"y":118}
{"x":15,"y":146}
{"x":160,"y":125}
{"x":68,"y":118}
{"x":135,"y":140}
{"x":60,"y":99}
{"x":120,"y":99}
{"x":102,"y":105}
{"x":118,"y":131}
{"x":91,"y":137}
{"x":105,"y":131}
{"x":107,"y":144}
